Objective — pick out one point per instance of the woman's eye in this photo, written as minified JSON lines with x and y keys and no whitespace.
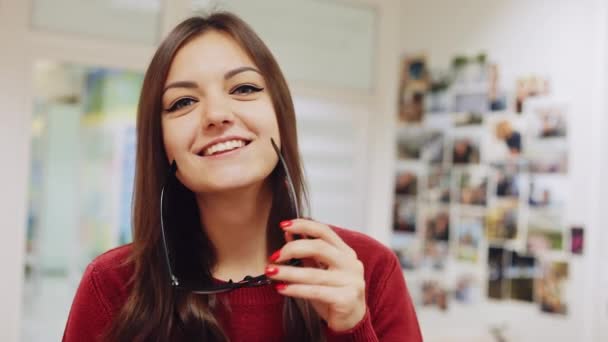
{"x":246,"y":89}
{"x":181,"y":103}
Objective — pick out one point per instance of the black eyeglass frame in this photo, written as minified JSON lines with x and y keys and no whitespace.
{"x":248,"y":281}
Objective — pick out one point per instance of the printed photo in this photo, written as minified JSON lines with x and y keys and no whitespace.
{"x":545,"y":231}
{"x":497,"y":261}
{"x":420,"y":144}
{"x":467,"y":289}
{"x":529,"y":87}
{"x":407,"y":248}
{"x":548,"y":156}
{"x":551,"y":288}
{"x":521,"y":274}
{"x":547,"y":119}
{"x":467,"y":119}
{"x":496,"y":97}
{"x":473,"y":186}
{"x":577,"y":239}
{"x":414,"y":84}
{"x":505,"y":141}
{"x":434,"y":294}
{"x":465,"y":150}
{"x":469,"y":232}
{"x":437,"y":224}
{"x":438,"y":185}
{"x":507,"y":180}
{"x":404,"y":214}
{"x":406,"y":183}
{"x":547,"y":193}
{"x":501,"y":221}
{"x":438,"y":98}
{"x":435,"y":254}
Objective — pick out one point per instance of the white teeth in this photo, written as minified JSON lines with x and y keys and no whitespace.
{"x":223,"y":146}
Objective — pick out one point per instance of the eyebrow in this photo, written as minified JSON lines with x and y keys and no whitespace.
{"x":191,"y":84}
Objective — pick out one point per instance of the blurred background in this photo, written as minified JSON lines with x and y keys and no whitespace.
{"x":466,"y":135}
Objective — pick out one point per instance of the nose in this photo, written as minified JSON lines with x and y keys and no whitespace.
{"x":217,"y":113}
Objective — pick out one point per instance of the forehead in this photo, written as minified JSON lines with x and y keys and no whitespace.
{"x":208,"y":55}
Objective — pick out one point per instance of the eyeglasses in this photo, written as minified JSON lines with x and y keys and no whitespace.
{"x":248,"y":281}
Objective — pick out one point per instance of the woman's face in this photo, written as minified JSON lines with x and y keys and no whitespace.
{"x":218,"y":117}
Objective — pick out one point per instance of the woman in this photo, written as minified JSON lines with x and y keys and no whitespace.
{"x":213,"y":111}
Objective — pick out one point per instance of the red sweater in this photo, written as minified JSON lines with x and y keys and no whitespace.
{"x":256,"y":313}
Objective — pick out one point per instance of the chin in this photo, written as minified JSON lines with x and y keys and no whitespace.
{"x":225,"y":183}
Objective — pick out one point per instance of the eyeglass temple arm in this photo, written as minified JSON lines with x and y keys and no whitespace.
{"x":172,"y":170}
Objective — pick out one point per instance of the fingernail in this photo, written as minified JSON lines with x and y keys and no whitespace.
{"x":280,"y":286}
{"x":275,"y":256}
{"x":271,"y":270}
{"x":285,"y":224}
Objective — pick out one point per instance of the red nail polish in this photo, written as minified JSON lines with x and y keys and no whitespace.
{"x":271,"y":270}
{"x":285,"y":224}
{"x":275,"y":256}
{"x":280,"y":286}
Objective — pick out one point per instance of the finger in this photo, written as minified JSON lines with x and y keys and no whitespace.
{"x":316,"y":249}
{"x":317,"y":230}
{"x":336,"y":295}
{"x":306,"y":275}
{"x":288,"y":237}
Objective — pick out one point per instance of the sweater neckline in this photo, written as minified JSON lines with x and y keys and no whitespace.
{"x":259,"y":295}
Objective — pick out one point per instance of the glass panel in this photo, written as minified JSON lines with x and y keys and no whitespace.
{"x":126,"y":20}
{"x":322,"y":42}
{"x":82,"y":167}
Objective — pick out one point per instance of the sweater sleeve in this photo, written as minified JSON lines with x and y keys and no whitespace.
{"x":90,"y":313}
{"x":390,"y":315}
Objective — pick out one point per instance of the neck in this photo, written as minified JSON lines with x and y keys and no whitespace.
{"x":236,"y":221}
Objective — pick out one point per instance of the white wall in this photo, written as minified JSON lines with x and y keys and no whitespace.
{"x":563,"y":39}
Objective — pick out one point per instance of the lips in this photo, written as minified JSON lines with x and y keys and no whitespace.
{"x":223,"y":145}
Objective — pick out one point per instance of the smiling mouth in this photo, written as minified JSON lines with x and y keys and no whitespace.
{"x":223,"y":147}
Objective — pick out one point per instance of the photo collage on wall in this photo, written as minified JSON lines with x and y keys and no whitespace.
{"x":481,"y":179}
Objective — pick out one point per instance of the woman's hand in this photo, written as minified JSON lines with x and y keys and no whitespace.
{"x":331,"y":278}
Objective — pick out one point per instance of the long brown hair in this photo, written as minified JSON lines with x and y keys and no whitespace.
{"x":154,"y":311}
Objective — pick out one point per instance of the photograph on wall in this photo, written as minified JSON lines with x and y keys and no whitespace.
{"x":502,"y":220}
{"x":414,"y":85}
{"x":507,"y":180}
{"x":547,"y":193}
{"x":438,"y":185}
{"x":463,"y":119}
{"x":577,"y":240}
{"x":406,"y":182}
{"x":547,"y":119}
{"x":438,"y":99}
{"x":435,"y":254}
{"x":521,"y":274}
{"x":551,"y":288}
{"x":496,"y":96}
{"x":404,"y":214}
{"x":407,"y":249}
{"x":467,"y":289}
{"x":529,"y":87}
{"x":420,"y":144}
{"x":469,"y":232}
{"x":465,"y":150}
{"x":505,"y":139}
{"x":497,"y":261}
{"x":437,"y":223}
{"x":545,"y":231}
{"x":550,"y":156}
{"x":434,"y":293}
{"x":470,"y":70}
{"x":472,"y":186}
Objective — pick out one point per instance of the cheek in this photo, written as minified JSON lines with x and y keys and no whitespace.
{"x":176,"y":137}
